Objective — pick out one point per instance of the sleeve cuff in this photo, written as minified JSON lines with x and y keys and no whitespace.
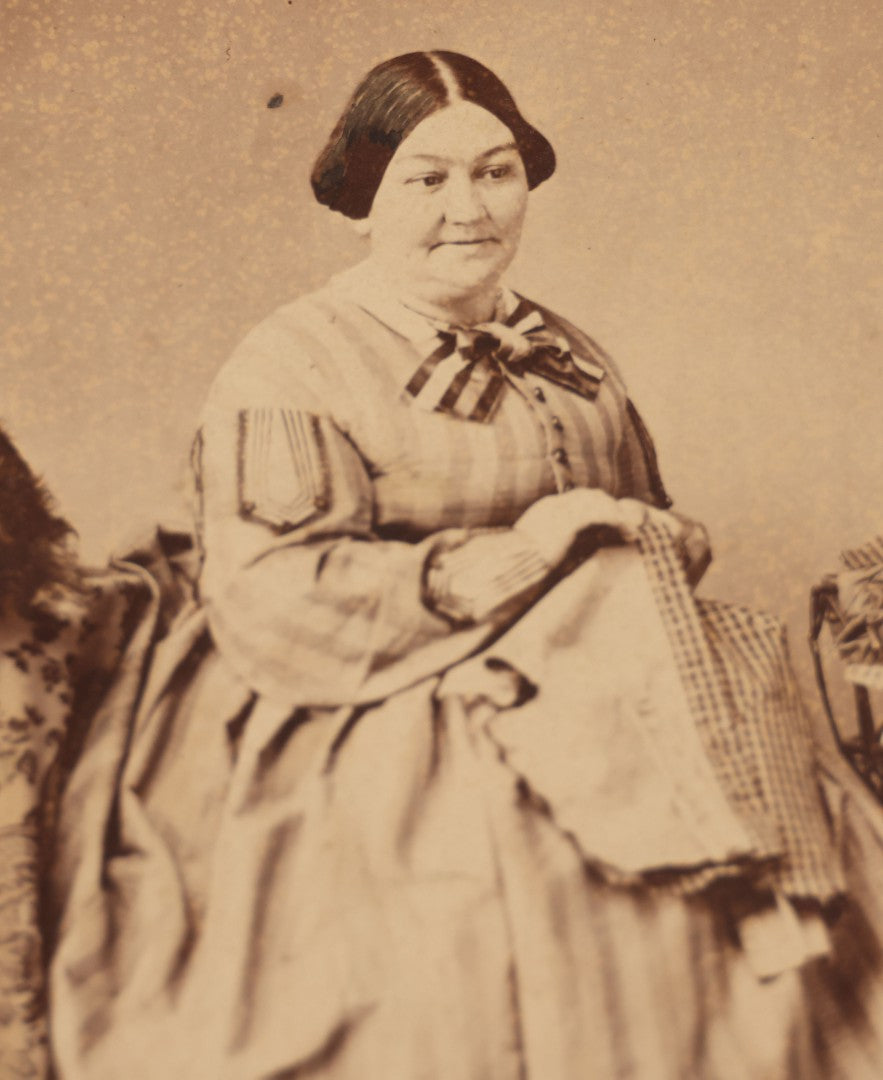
{"x":481,"y":575}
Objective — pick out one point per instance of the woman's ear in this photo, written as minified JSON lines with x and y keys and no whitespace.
{"x":361,"y":226}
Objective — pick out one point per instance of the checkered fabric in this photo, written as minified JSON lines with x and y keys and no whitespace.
{"x":734,"y":668}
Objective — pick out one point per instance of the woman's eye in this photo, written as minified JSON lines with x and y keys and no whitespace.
{"x":497,"y":172}
{"x":428,"y":180}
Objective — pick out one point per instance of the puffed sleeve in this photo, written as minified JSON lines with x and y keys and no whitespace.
{"x":303,"y":598}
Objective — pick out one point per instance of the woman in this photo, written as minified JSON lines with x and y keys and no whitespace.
{"x":447,"y":775}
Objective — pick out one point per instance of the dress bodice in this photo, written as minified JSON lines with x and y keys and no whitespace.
{"x":324,"y":488}
{"x":347,"y":352}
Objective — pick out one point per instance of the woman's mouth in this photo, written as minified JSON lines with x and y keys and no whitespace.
{"x":476,"y":242}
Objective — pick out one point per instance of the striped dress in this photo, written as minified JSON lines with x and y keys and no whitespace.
{"x":397,"y":798}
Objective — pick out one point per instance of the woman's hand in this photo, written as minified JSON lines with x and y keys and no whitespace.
{"x":554,"y":522}
{"x":691,"y":538}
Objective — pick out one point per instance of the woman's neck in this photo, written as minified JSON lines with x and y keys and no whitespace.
{"x":476,"y":306}
{"x":461,"y":311}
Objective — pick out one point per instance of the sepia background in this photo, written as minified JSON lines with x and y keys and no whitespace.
{"x":715,"y":222}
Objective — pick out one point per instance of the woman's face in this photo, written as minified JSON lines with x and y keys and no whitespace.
{"x":446,"y":219}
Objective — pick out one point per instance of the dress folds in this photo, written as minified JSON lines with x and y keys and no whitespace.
{"x":325,"y":824}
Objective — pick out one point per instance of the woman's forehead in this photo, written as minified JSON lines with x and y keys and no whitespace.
{"x":461,"y":131}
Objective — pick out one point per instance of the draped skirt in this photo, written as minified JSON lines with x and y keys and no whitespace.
{"x":250,"y":891}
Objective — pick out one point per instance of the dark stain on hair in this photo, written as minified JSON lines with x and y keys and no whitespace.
{"x":389,"y":139}
{"x":275,"y":101}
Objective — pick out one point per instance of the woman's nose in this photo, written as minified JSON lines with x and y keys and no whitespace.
{"x":463,"y":204}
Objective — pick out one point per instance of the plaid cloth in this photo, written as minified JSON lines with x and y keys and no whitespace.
{"x":663,"y":735}
{"x":744,"y":699}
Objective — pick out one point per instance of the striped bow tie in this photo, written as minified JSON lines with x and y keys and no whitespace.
{"x":467,"y":372}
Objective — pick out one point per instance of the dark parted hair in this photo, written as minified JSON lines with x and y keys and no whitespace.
{"x":34,"y":549}
{"x":390,"y":102}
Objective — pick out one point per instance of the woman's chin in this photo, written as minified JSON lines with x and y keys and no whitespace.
{"x":465,"y":283}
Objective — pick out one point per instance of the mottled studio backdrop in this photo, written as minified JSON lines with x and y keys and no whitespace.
{"x":715,"y":221}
